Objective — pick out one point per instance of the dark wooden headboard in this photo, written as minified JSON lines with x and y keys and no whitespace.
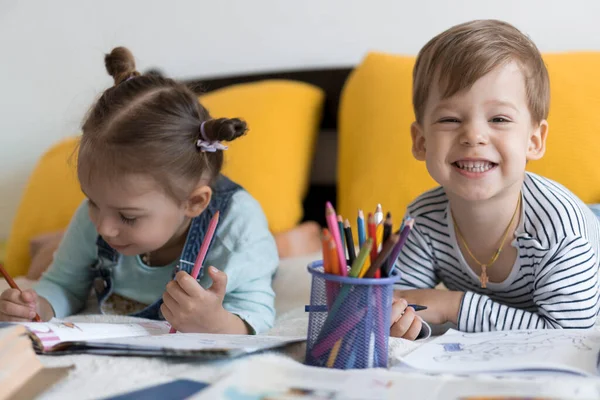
{"x":323,"y":185}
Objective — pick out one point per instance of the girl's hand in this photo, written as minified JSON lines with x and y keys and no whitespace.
{"x":18,"y":306}
{"x":405,"y":322}
{"x":442,"y":305}
{"x":188,"y":307}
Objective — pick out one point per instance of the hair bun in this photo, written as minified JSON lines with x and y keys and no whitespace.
{"x":225,"y":129}
{"x":120,"y":64}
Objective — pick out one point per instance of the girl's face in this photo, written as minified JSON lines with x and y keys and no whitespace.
{"x":133,"y":215}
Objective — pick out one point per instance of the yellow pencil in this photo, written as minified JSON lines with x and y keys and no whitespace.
{"x":334,"y":353}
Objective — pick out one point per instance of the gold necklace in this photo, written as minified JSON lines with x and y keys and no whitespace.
{"x":483,"y":278}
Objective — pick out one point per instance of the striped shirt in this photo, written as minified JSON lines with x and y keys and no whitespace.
{"x":553,"y":283}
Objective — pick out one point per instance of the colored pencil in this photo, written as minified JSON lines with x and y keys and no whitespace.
{"x":330,"y":216}
{"x":359,"y":262}
{"x":360,"y":223}
{"x":349,"y":242}
{"x":340,"y":223}
{"x":14,"y":285}
{"x":210,"y":232}
{"x":378,"y":215}
{"x":385,"y":252}
{"x":387,"y":227}
{"x":372,"y":231}
{"x":327,"y":267}
{"x":408,"y":224}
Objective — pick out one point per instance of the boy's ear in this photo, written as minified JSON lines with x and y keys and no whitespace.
{"x":197,"y":201}
{"x":537,"y":141}
{"x":418,"y":141}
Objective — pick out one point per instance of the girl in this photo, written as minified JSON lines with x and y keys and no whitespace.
{"x":149,"y":164}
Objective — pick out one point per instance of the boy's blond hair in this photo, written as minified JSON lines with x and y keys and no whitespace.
{"x":459,"y":56}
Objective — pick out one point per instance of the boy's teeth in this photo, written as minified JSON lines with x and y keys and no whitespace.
{"x":474,"y":166}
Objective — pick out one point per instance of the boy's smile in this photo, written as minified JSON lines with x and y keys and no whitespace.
{"x":476,"y":143}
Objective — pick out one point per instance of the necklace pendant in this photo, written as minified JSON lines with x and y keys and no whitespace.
{"x":483,"y":278}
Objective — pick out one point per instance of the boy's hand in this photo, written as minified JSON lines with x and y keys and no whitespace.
{"x":188,"y":307}
{"x":405,"y":322}
{"x":442,"y":305}
{"x":18,"y":306}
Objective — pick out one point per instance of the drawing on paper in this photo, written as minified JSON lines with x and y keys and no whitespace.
{"x":511,"y":343}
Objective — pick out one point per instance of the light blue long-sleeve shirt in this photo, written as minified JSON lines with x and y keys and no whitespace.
{"x":242,"y":247}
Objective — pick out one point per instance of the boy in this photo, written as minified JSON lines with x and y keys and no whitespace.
{"x":515,"y":250}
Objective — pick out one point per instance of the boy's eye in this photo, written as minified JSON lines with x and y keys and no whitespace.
{"x":126,"y":220}
{"x":500,"y":120}
{"x":448,"y":120}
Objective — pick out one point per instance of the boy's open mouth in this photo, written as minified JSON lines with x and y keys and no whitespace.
{"x":474,"y":166}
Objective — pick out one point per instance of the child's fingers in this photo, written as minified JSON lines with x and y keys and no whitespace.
{"x":398,"y":307}
{"x":415,"y":328}
{"x":167,"y":313}
{"x":15,"y":312}
{"x":176,"y":292}
{"x":401,"y":327}
{"x":169,"y":301}
{"x":29,"y":296}
{"x":219,"y":284}
{"x":13,"y":295}
{"x":188,"y":284}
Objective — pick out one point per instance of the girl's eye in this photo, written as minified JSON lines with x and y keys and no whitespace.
{"x":128,"y":221}
{"x":500,"y":120}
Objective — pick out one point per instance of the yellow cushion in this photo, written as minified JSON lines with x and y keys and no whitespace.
{"x":273,"y":160}
{"x":50,"y":198}
{"x":573,"y":144}
{"x":375,"y":163}
{"x":375,"y":160}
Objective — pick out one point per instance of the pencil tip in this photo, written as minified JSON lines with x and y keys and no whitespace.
{"x":346,"y":223}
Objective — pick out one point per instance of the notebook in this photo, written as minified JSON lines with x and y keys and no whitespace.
{"x":143,"y":339}
{"x":562,"y":351}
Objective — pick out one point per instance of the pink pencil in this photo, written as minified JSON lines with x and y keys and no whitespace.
{"x":332,"y":223}
{"x":212,"y":227}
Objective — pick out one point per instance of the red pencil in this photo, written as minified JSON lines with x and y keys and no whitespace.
{"x":372,"y":231}
{"x":210,"y":232}
{"x":14,"y":285}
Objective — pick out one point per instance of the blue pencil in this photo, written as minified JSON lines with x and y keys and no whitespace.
{"x":360,"y":222}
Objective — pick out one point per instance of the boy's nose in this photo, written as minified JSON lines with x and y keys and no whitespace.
{"x":474,"y":135}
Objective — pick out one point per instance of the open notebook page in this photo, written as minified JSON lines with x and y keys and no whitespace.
{"x":550,"y":350}
{"x":48,"y":334}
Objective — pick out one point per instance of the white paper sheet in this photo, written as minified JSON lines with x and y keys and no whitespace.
{"x":549,"y":350}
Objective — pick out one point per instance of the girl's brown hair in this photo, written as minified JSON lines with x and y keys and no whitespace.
{"x":459,"y":56}
{"x":148,"y":124}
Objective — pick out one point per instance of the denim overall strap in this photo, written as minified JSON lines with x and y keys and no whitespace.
{"x":223,"y":190}
{"x":108,"y":258}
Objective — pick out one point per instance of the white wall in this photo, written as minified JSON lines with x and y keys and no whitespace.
{"x":51,"y":52}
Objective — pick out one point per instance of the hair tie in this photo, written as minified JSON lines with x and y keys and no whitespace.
{"x":204,"y":144}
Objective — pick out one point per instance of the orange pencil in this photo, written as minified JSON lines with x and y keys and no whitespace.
{"x":333,"y":257}
{"x":325,"y":236}
{"x":13,"y":285}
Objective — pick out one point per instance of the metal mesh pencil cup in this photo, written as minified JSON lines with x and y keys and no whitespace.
{"x":349,"y":320}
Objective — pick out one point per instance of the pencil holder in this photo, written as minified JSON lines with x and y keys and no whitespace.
{"x":349,"y":320}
